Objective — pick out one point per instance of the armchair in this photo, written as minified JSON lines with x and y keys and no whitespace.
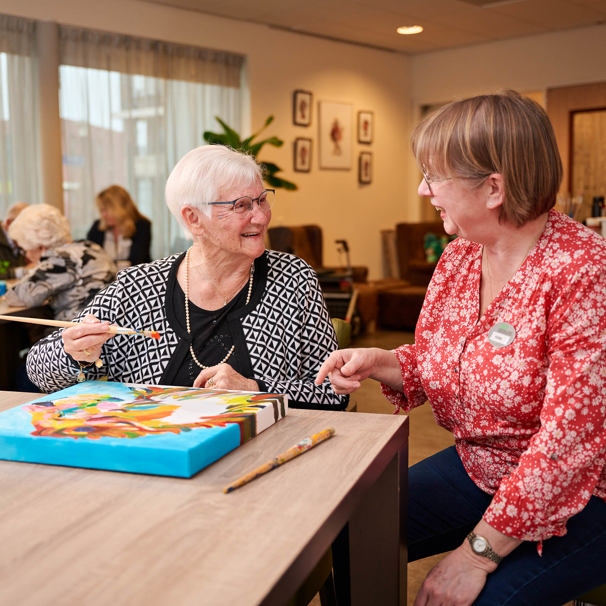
{"x":410,"y":246}
{"x":306,"y":242}
{"x":400,"y":301}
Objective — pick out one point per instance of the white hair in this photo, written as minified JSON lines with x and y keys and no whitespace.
{"x":203,"y":173}
{"x":40,"y":225}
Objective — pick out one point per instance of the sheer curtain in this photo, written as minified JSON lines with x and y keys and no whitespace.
{"x":20,"y":147}
{"x":130,"y":108}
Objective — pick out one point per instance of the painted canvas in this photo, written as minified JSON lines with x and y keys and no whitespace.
{"x":160,"y":430}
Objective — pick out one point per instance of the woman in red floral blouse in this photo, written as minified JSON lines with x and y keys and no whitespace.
{"x":510,"y":351}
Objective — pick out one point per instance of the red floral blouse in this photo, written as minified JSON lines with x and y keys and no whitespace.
{"x":526,"y":402}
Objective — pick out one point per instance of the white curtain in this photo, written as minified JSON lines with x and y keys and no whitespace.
{"x":19,"y":147}
{"x":130,"y":108}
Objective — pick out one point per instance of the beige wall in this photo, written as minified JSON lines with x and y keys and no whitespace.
{"x":391,"y":85}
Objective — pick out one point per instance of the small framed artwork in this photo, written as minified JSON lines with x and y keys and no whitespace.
{"x":301,"y":107}
{"x":365,"y":168}
{"x":365,"y":127}
{"x":335,"y":135}
{"x":302,"y":155}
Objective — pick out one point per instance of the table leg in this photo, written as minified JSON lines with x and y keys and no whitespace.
{"x":374,"y":543}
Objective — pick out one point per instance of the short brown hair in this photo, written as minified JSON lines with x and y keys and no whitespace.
{"x":504,"y":133}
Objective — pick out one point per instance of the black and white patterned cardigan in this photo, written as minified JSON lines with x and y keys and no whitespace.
{"x":286,"y":329}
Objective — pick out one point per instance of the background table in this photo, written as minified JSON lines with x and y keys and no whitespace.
{"x":16,"y":336}
{"x":77,"y":536}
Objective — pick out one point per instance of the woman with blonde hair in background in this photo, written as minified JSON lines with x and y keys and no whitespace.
{"x":122,"y":230}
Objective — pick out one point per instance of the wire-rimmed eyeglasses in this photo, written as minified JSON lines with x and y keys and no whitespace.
{"x":429,"y":180}
{"x":245,"y":204}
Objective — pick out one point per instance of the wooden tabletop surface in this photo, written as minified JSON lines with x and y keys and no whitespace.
{"x":77,"y":536}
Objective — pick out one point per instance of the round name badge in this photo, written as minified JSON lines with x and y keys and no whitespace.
{"x":501,"y":334}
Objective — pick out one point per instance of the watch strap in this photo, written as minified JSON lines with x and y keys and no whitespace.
{"x":487,"y":552}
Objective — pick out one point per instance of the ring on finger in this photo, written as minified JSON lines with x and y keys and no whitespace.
{"x":86,"y":352}
{"x":210,"y":383}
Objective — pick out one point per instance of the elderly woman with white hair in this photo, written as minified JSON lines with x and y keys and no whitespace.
{"x":230,"y":313}
{"x":64,"y":272}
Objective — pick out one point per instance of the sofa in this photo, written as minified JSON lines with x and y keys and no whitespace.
{"x":391,"y":303}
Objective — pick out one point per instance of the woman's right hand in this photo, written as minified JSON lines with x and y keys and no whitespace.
{"x":84,"y":341}
{"x":347,"y":368}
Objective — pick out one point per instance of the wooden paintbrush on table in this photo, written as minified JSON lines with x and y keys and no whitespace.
{"x":119,"y":330}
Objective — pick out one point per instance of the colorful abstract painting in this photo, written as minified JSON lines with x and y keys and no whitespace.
{"x":158,"y":430}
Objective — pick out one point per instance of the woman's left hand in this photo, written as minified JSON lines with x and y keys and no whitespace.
{"x":223,"y":376}
{"x":455,"y":580}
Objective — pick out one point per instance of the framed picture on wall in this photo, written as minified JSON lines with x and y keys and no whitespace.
{"x":335,"y":135}
{"x":301,"y":107}
{"x":365,"y":127}
{"x":365,"y":168}
{"x":302,"y":155}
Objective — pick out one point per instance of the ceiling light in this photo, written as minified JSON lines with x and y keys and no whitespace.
{"x":407,"y":30}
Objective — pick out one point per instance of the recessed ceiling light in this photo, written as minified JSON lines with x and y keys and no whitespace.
{"x":407,"y":30}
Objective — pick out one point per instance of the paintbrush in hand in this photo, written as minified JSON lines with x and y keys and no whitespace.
{"x":119,"y":330}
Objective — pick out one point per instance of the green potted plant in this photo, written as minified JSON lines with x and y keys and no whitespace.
{"x":4,"y":270}
{"x":231,"y":138}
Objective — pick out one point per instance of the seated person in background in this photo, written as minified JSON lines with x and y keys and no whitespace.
{"x":510,"y":350}
{"x":66,"y":273}
{"x":11,"y":256}
{"x":230,"y":314}
{"x":122,"y":230}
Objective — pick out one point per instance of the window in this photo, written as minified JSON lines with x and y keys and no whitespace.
{"x":130,"y":108}
{"x":19,"y":145}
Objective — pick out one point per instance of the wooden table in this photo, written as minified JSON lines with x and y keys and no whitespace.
{"x":77,"y":536}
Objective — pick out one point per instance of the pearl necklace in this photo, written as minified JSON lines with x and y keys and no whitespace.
{"x":187,"y":324}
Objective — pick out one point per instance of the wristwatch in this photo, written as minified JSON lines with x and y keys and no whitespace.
{"x":481,"y":547}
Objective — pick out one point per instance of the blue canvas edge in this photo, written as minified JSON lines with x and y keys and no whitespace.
{"x":183,"y":464}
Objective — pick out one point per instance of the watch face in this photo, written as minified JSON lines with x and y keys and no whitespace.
{"x":479,"y":544}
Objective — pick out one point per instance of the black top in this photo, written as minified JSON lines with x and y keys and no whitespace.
{"x":212,"y":332}
{"x":141,"y":241}
{"x":212,"y":337}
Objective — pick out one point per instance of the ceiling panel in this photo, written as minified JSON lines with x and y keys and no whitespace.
{"x":447,"y":23}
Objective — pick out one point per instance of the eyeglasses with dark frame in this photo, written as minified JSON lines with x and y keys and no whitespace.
{"x":245,"y":204}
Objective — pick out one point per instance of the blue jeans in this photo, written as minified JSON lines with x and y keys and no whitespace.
{"x":444,"y":505}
